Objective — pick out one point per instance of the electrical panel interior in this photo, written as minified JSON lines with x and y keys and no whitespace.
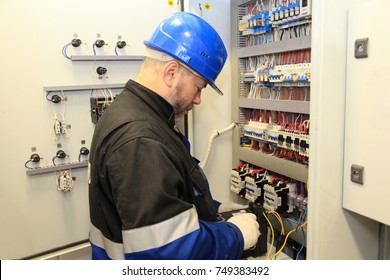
{"x":273,"y":100}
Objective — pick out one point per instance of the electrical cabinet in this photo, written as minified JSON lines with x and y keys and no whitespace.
{"x":271,"y":103}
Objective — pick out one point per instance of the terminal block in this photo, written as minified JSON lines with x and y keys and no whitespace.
{"x":254,"y":184}
{"x":237,"y":179}
{"x":98,"y":107}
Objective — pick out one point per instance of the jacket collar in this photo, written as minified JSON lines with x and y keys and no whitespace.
{"x":155,"y":101}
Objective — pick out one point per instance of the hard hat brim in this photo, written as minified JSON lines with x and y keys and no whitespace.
{"x":216,"y":88}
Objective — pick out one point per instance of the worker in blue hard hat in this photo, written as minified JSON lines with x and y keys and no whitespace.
{"x":148,"y":197}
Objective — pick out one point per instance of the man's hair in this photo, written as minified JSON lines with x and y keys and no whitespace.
{"x":150,"y":64}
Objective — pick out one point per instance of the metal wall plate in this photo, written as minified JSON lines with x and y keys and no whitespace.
{"x":361,"y":46}
{"x":357,"y":174}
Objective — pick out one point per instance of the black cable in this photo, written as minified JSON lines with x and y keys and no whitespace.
{"x":47,"y":94}
{"x":54,"y":159}
{"x":27,"y":162}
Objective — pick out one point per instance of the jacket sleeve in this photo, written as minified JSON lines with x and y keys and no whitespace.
{"x":148,"y":185}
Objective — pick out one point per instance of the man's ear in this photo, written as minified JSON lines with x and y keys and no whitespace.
{"x":170,"y":72}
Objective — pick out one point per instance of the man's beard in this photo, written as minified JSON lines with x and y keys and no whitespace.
{"x":175,"y":101}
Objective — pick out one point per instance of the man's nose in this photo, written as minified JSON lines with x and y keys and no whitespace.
{"x":197,"y":99}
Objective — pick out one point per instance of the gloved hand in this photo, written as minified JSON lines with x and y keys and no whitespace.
{"x":249,"y":228}
{"x":230,"y":206}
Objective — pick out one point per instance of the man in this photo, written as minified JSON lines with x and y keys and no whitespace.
{"x":148,"y":197}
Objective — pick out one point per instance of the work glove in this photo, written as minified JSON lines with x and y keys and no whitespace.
{"x":247,"y":223}
{"x":230,"y":206}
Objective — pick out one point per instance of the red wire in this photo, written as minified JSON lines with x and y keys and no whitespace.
{"x":257,"y":171}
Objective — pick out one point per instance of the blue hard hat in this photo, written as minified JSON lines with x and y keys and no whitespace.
{"x":191,"y":40}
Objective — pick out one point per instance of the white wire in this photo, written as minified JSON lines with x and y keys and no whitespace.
{"x":214,"y":134}
{"x":296,"y":120}
{"x":306,"y":123}
{"x":105,"y":96}
{"x":103,"y":91}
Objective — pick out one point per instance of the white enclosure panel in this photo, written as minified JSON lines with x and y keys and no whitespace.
{"x":34,"y":216}
{"x":368,"y":113}
{"x":215,"y":111}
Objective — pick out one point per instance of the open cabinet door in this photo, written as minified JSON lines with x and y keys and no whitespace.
{"x":366,"y":189}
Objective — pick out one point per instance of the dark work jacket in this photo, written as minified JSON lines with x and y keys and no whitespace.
{"x":145,"y":185}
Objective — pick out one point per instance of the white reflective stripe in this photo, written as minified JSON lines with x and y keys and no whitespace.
{"x":114,"y":250}
{"x":160,"y":234}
